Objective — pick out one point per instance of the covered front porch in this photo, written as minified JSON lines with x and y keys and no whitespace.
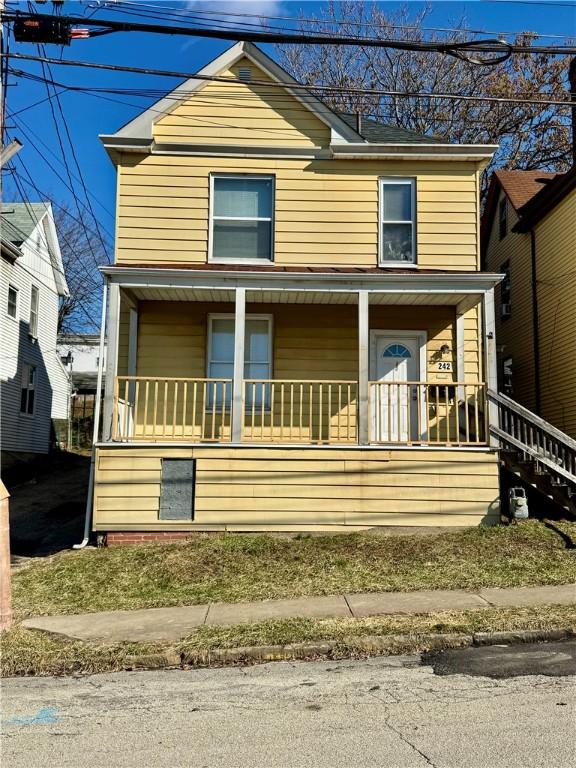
{"x":274,"y":358}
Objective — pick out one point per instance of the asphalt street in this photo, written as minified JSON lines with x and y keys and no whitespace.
{"x":382,"y":712}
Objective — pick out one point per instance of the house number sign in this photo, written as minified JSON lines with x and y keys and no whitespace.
{"x":444,"y":366}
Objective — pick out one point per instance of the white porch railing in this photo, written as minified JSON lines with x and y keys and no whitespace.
{"x":318,"y":412}
{"x":311,"y":412}
{"x":427,"y":413}
{"x":158,"y":408}
{"x":534,"y":438}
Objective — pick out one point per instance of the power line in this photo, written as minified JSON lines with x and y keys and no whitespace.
{"x":329,"y":89}
{"x":145,"y":10}
{"x":46,"y":196}
{"x":458,"y":48}
{"x":27,"y":132}
{"x":75,"y":158}
{"x":65,"y":163}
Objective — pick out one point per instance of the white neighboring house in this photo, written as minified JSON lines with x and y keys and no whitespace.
{"x":34,"y":383}
{"x":80,"y":353}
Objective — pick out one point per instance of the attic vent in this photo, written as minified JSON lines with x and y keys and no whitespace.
{"x":245,"y":74}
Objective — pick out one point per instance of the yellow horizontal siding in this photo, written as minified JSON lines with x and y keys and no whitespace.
{"x":326,"y":212}
{"x":310,"y":342}
{"x":514,"y":334}
{"x":302,"y":488}
{"x":556,"y":270}
{"x":241,"y":113}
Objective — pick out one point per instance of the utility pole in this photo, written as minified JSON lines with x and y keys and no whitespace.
{"x":5,"y":576}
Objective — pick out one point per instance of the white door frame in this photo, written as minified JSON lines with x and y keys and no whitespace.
{"x":422,"y":337}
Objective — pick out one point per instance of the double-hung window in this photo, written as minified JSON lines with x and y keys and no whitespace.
{"x":12,"y":307}
{"x":33,"y":324}
{"x":257,"y":354}
{"x":28,"y":389}
{"x":242,"y":218}
{"x":397,"y":220}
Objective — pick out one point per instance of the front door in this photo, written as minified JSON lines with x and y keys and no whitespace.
{"x":394,"y":396}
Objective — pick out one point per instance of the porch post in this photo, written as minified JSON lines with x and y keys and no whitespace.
{"x":238,"y":380}
{"x":132,"y":341}
{"x":363,"y":345}
{"x":490,"y":366}
{"x":460,"y":356}
{"x":111,"y":358}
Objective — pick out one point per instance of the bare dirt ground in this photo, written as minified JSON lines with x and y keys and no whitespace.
{"x":47,"y":508}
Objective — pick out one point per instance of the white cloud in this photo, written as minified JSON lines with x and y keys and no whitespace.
{"x":225,"y":10}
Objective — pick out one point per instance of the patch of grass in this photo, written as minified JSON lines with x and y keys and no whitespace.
{"x":234,"y":568}
{"x":283,"y":631}
{"x":26,"y":652}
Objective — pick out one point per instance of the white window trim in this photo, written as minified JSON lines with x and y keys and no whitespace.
{"x":272,"y":219}
{"x":14,"y":317}
{"x":230,"y":316}
{"x":411,"y":180}
{"x":34,"y":332}
{"x":26,"y":368}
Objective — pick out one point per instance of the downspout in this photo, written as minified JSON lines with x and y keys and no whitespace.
{"x":97,"y":407}
{"x":535,"y":324}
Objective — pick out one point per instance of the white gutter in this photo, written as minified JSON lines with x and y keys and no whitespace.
{"x":414,"y":151}
{"x":97,"y":406}
{"x":472,"y":282}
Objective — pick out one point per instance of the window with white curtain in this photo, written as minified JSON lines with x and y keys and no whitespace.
{"x":397,"y":220}
{"x":257,"y":353}
{"x":242,"y":218}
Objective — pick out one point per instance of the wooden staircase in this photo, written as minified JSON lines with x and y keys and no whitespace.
{"x":540,"y":455}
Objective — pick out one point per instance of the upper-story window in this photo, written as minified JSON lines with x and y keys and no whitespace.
{"x":241,"y":218}
{"x":397,"y":220}
{"x":12,"y":307}
{"x":503,"y":218}
{"x":33,"y":324}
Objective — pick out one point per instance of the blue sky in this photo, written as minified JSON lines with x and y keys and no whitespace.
{"x":88,"y":116}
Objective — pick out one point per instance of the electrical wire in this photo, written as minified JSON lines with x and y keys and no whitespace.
{"x":26,"y":200}
{"x":466,"y":50}
{"x":75,"y":158}
{"x":159,"y":12}
{"x":289,"y":86}
{"x":384,"y":109}
{"x":27,"y":132}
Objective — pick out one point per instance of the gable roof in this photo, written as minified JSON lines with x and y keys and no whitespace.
{"x":376,"y":140}
{"x":375,"y":132}
{"x":521,"y":186}
{"x":141,"y":126}
{"x":17,"y":223}
{"x":546,"y":200}
{"x":20,"y":219}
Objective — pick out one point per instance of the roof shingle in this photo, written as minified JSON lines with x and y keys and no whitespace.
{"x":19,"y":220}
{"x":521,"y":186}
{"x":381,"y":133}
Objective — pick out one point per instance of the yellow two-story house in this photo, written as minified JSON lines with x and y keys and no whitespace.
{"x":299,"y":334}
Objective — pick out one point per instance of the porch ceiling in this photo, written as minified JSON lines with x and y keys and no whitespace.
{"x":285,"y":296}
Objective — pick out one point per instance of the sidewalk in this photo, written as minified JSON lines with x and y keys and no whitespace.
{"x":171,"y":624}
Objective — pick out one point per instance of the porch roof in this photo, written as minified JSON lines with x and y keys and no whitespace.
{"x":303,"y":285}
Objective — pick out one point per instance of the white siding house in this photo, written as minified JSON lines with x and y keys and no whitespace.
{"x":34,"y":384}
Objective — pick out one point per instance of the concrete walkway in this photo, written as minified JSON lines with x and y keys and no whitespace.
{"x":171,"y":624}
